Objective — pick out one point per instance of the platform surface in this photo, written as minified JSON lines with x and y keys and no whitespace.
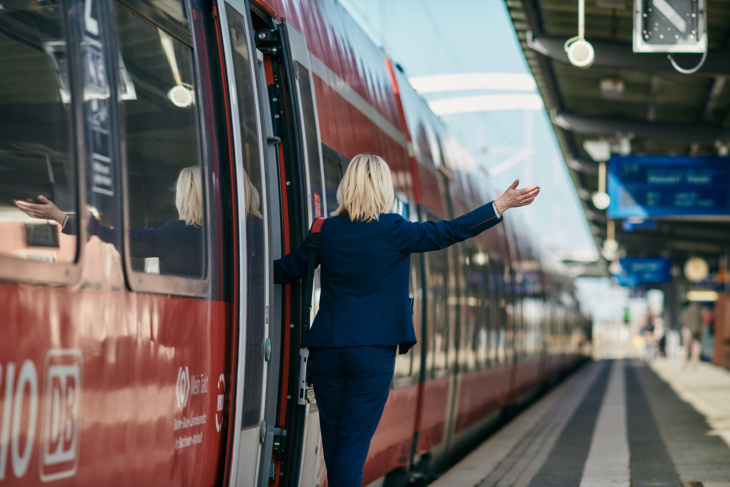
{"x":613,"y":423}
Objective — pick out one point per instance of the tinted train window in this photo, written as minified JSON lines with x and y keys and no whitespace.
{"x":36,"y":162}
{"x":332,"y":178}
{"x":310,"y":137}
{"x":256,"y":260}
{"x":165,"y":180}
{"x":470,"y":304}
{"x":172,"y":7}
{"x":404,"y":363}
{"x":437,"y":291}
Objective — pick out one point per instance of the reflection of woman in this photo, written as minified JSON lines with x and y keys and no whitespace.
{"x":364,"y":313}
{"x":255,"y":303}
{"x":177,"y":243}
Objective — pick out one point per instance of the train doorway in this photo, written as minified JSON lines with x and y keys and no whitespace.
{"x":295,"y":177}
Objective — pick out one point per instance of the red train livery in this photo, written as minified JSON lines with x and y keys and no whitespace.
{"x":119,"y":368}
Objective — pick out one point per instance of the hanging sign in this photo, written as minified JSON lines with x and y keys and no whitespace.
{"x":668,"y":186}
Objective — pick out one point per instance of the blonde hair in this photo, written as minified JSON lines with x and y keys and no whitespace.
{"x":366,"y":190}
{"x":253,"y":200}
{"x":189,"y":196}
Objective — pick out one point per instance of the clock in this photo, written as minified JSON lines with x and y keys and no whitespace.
{"x":696,"y":269}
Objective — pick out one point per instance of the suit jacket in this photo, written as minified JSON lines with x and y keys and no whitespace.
{"x":365,"y":270}
{"x":178,"y":246}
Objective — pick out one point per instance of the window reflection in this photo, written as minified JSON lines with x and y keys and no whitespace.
{"x":256,"y":260}
{"x":36,"y":165}
{"x":165,"y":180}
{"x":332,"y":178}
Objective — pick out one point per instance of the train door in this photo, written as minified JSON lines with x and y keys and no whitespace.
{"x":305,"y":425}
{"x":254,"y":343}
{"x":295,"y":433}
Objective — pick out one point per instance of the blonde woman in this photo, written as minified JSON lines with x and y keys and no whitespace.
{"x":364,"y":310}
{"x":177,"y":243}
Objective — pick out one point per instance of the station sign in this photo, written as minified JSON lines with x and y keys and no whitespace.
{"x":637,"y":271}
{"x":668,"y":186}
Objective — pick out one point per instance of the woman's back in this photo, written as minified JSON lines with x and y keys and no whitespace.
{"x":364,"y":298}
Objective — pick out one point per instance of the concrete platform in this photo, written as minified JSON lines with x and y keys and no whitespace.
{"x":614,"y":423}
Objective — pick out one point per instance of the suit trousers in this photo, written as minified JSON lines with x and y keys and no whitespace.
{"x":351,"y":385}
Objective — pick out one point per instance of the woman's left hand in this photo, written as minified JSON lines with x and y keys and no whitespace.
{"x":513,"y":197}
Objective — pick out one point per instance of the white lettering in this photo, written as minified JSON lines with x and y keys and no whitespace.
{"x":221,"y":402}
{"x":184,"y":422}
{"x":29,"y":377}
{"x":7,"y":411}
{"x":186,"y":441}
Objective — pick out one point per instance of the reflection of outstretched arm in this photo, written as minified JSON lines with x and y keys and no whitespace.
{"x":46,"y":210}
{"x":49,"y":211}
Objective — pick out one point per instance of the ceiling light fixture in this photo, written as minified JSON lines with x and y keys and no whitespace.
{"x":580,"y":51}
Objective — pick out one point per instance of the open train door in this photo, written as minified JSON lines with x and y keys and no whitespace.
{"x":302,"y":418}
{"x":292,"y":450}
{"x":259,"y":226}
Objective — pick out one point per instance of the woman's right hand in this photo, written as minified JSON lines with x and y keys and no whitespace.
{"x":46,"y":210}
{"x":513,"y":197}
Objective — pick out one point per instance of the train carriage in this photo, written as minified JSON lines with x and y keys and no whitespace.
{"x":123,"y":364}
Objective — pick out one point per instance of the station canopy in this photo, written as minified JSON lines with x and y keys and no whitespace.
{"x":663,"y":127}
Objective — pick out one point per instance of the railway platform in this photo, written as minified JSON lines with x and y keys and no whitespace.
{"x":621,"y":422}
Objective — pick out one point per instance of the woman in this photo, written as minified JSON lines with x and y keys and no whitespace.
{"x":177,"y":243}
{"x":364,"y":309}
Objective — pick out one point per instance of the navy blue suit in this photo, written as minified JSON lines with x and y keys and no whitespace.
{"x":364,"y":312}
{"x":178,"y":246}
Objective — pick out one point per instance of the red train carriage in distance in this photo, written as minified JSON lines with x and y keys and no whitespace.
{"x":126,"y":361}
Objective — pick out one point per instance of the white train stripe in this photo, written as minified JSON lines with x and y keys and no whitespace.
{"x":349,"y":94}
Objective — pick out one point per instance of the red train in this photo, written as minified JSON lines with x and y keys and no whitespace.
{"x":118,"y":367}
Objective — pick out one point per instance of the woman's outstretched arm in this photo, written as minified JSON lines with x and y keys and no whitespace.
{"x":428,"y":236}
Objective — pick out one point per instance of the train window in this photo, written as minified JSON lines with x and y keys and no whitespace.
{"x":406,"y":365}
{"x":470,"y":305}
{"x":38,"y":183}
{"x":256,"y":258}
{"x":172,"y":7}
{"x":480,"y":262}
{"x":504,"y":318}
{"x":165,"y":178}
{"x":332,"y":178}
{"x":494,"y":313}
{"x":437,"y":289}
{"x":310,"y":133}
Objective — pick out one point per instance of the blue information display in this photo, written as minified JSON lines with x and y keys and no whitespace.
{"x":630,"y":226}
{"x":656,"y":186}
{"x":636,"y":271}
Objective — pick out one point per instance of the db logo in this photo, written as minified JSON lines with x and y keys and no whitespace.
{"x":183,"y":387}
{"x":61,"y":414}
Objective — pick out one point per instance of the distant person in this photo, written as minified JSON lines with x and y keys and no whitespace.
{"x":364,"y":314}
{"x":660,"y":336}
{"x":708,"y":337}
{"x":177,"y":243}
{"x":691,"y":321}
{"x":648,"y":333}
